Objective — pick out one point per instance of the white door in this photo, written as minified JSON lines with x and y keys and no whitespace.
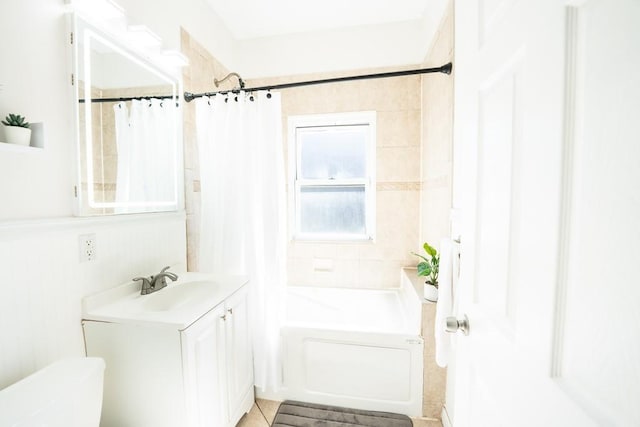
{"x":547,"y":183}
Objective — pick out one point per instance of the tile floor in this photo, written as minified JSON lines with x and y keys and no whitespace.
{"x":263,"y":412}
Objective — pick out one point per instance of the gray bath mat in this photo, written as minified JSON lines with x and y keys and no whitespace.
{"x":299,"y":414}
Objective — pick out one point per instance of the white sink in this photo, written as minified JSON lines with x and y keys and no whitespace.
{"x":179,"y":304}
{"x":172,"y":297}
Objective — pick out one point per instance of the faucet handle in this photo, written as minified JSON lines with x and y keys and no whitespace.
{"x":164,"y":273}
{"x":146,"y":284}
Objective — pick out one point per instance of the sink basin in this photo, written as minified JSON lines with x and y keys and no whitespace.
{"x":172,"y":297}
{"x":179,"y":304}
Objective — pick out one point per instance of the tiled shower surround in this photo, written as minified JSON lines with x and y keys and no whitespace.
{"x":436,"y":189}
{"x":397,"y":104}
{"x":413,"y":174}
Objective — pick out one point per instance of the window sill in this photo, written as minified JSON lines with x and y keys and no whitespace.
{"x":332,"y":238}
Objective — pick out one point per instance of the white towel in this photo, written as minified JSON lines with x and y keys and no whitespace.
{"x":444,"y":306}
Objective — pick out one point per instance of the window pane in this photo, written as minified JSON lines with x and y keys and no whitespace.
{"x":332,"y":210}
{"x":333,"y":152}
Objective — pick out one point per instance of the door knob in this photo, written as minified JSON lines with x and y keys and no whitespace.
{"x":453,"y":325}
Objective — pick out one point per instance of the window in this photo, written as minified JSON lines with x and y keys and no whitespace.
{"x":332,"y":165}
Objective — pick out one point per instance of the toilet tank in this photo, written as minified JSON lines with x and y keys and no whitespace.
{"x":67,"y":393}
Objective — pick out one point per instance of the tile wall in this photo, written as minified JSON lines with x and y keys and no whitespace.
{"x":436,"y":182}
{"x":437,"y":137}
{"x":197,"y":78}
{"x":396,"y":102}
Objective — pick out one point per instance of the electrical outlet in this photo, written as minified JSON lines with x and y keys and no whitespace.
{"x":87,"y":244}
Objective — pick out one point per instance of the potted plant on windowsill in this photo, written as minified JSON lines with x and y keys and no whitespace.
{"x":429,"y":267}
{"x":17,"y":130}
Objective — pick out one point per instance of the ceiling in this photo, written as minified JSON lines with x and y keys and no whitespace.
{"x":251,"y":19}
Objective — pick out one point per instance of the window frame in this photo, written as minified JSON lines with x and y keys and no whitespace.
{"x":349,"y":119}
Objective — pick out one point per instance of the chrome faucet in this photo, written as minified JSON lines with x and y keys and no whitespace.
{"x":154,"y":283}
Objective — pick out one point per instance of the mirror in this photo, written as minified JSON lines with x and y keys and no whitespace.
{"x":129,"y":141}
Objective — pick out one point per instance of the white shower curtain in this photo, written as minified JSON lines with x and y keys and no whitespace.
{"x":144,"y":139}
{"x":123,"y":145}
{"x":243,"y":224}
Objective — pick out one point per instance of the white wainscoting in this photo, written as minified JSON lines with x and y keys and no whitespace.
{"x":42,"y":280}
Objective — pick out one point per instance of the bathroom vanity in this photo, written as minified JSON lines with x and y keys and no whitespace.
{"x":178,"y":357}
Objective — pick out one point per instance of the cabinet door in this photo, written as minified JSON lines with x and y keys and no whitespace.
{"x":239,"y":353}
{"x":203,"y":349}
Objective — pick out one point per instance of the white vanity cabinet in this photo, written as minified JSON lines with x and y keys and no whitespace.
{"x":223,"y":390}
{"x":238,"y":356}
{"x":158,"y":375}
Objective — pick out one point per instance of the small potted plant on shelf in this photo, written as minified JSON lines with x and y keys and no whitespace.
{"x":429,"y":267}
{"x":17,"y":130}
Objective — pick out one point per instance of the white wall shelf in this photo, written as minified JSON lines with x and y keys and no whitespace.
{"x":4,"y":146}
{"x":36,"y":145}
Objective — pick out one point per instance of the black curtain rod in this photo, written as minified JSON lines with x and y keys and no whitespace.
{"x":188,"y":96}
{"x":128,"y":98}
{"x":446,"y":69}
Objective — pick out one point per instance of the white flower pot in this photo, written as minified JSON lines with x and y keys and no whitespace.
{"x":430,"y":292}
{"x":17,"y":135}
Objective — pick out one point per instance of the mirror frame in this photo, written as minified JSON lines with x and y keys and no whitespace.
{"x":90,"y":31}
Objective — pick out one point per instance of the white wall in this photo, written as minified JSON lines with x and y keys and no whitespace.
{"x":166,"y":17}
{"x":313,"y":52}
{"x":345,"y":49}
{"x":35,"y":79}
{"x":41,"y":278}
{"x":355,"y":48}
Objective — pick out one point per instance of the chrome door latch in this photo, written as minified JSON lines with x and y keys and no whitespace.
{"x":454,"y":325}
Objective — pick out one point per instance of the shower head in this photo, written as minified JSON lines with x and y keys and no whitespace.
{"x":240,"y":81}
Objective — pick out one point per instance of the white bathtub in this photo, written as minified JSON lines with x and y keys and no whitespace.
{"x":355,"y":348}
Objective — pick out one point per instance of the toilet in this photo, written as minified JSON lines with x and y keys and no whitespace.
{"x":67,"y":393}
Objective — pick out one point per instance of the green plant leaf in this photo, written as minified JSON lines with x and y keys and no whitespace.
{"x":429,"y":249}
{"x":418,"y":255}
{"x":15,"y":120}
{"x":424,"y":269}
